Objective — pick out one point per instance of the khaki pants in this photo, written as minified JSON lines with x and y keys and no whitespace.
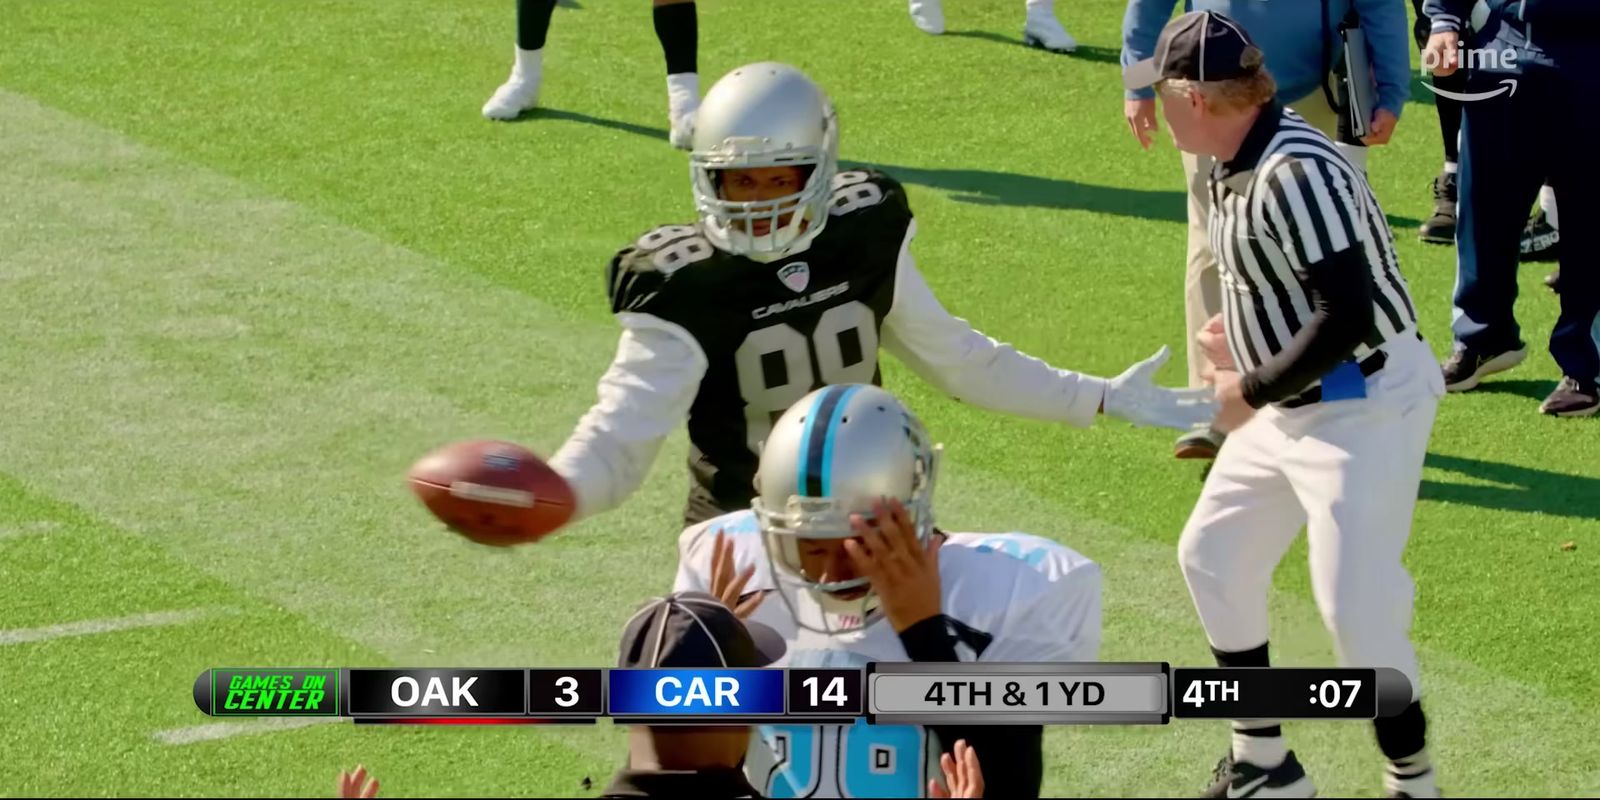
{"x":1202,"y":291}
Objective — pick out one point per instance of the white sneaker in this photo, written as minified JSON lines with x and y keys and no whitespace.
{"x":682,"y":135}
{"x":928,"y":16}
{"x":511,"y":99}
{"x":520,"y":92}
{"x":683,"y":100}
{"x":1044,"y":31}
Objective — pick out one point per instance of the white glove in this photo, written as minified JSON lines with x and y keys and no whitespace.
{"x":1135,"y":397}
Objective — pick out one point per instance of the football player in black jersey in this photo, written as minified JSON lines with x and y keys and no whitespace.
{"x":792,"y":278}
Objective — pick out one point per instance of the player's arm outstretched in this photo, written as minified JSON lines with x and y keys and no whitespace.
{"x":643,"y":396}
{"x":904,"y":574}
{"x":949,"y":353}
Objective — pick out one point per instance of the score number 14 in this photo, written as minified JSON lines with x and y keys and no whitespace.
{"x":832,"y":693}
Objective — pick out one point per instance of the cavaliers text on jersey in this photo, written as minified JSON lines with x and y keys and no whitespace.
{"x":771,"y":332}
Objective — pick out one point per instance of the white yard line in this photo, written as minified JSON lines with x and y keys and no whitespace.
{"x":226,"y":730}
{"x":89,"y":627}
{"x":33,"y":528}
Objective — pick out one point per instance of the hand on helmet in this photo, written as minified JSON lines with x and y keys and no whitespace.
{"x":904,"y":572}
{"x":1135,"y":397}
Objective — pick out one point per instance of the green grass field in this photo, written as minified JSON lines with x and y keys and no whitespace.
{"x":256,"y":257}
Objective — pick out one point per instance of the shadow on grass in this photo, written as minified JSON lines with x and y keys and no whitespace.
{"x":540,"y":114}
{"x":1403,"y":225}
{"x":1086,"y":52}
{"x":981,"y":186}
{"x":1533,"y":390}
{"x":988,"y":36}
{"x":990,"y":187}
{"x":1557,"y":493}
{"x":1421,"y":94}
{"x":1103,"y":55}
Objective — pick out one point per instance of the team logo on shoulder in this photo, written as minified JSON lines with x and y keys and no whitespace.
{"x":796,"y":276}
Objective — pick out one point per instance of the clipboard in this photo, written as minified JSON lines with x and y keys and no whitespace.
{"x":1360,"y":89}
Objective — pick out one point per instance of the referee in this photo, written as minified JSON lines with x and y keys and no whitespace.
{"x":1326,"y":388}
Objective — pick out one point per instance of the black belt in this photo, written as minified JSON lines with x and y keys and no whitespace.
{"x":1369,"y":365}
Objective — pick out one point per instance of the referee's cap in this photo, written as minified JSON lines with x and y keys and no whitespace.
{"x":1198,"y":46}
{"x":693,"y":630}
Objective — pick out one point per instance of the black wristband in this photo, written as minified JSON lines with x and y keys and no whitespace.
{"x":930,"y":640}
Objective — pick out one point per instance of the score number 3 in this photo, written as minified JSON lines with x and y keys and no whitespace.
{"x":774,"y":363}
{"x":569,"y":691}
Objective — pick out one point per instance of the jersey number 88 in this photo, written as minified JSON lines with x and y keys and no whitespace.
{"x":849,"y":326}
{"x":768,"y":389}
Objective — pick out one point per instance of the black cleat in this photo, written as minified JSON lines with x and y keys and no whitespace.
{"x":1553,"y":280}
{"x":1572,"y":398}
{"x":1540,"y":241}
{"x":1440,"y":228}
{"x":1467,"y":366}
{"x":1243,"y":779}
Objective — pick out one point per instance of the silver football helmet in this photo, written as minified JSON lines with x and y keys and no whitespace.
{"x":833,"y":454}
{"x":764,"y":115}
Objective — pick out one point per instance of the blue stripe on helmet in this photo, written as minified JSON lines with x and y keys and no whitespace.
{"x":828,"y":437}
{"x":816,"y":440}
{"x":809,"y":472}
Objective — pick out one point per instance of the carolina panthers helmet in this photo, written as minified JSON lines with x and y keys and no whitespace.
{"x":764,"y":115}
{"x":833,"y":454}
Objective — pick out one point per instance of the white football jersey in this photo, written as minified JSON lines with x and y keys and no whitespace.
{"x":1016,"y":597}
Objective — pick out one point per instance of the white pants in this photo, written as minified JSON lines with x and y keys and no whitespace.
{"x":1347,"y":470}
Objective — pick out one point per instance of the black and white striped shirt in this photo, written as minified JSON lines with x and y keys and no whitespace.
{"x":1287,"y":205}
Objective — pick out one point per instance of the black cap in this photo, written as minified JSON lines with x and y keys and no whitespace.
{"x":693,"y":630}
{"x":1198,"y":46}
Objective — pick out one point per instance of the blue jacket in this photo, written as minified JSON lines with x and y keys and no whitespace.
{"x":1547,"y":33}
{"x":1290,"y":34}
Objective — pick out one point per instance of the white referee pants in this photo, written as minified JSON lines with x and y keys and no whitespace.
{"x":1348,"y":471}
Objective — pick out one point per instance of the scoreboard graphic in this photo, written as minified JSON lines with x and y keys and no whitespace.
{"x":1099,"y":693}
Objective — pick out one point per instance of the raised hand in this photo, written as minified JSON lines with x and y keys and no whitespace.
{"x":962,"y":773}
{"x":728,"y":586}
{"x":357,"y":784}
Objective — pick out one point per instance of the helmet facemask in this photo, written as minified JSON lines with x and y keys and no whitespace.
{"x":730,"y":223}
{"x":815,"y":604}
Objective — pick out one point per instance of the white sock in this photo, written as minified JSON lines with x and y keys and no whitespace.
{"x":1450,"y":167}
{"x":1547,"y":201}
{"x":1412,"y":775}
{"x":1263,"y":751}
{"x":683,"y":93}
{"x":1041,"y":7}
{"x":527,"y":66}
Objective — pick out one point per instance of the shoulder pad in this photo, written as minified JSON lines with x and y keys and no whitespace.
{"x":639,"y":271}
{"x":696,"y":543}
{"x":856,"y":190}
{"x":1024,"y":552}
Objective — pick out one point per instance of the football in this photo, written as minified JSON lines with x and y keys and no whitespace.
{"x":494,"y":493}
